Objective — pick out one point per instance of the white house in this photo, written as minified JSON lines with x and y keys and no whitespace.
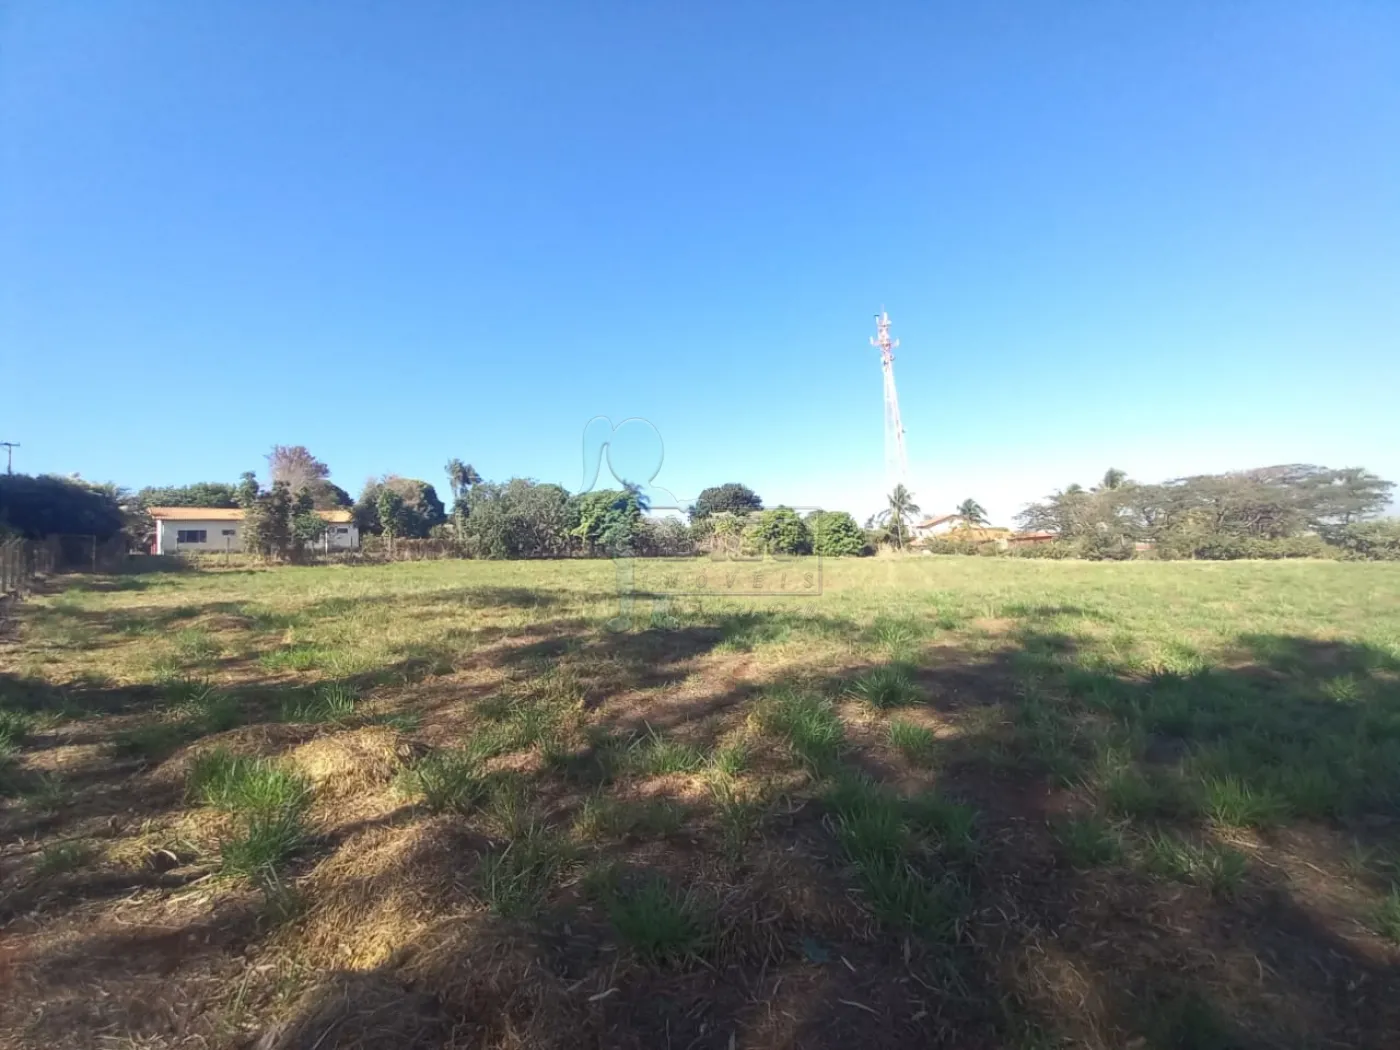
{"x":181,"y":530}
{"x":938,"y":525}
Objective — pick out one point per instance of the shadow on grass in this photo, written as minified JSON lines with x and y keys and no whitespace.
{"x":783,"y":926}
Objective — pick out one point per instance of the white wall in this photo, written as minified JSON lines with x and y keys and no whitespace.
{"x":348,"y":540}
{"x":167,"y":536}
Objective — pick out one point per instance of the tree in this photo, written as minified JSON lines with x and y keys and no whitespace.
{"x":460,"y":477}
{"x":607,"y":519}
{"x":972,"y":513}
{"x":199,"y":494}
{"x":896,"y":516}
{"x":395,"y":519}
{"x":295,"y":466}
{"x":730,"y":497}
{"x":307,"y":527}
{"x":1112,"y":478}
{"x":779,"y":531}
{"x":267,"y":523}
{"x":248,"y":489}
{"x":519,"y":519}
{"x":835,"y":534}
{"x":423,"y":510}
{"x":35,"y":507}
{"x":1238,"y":514}
{"x":663,"y":537}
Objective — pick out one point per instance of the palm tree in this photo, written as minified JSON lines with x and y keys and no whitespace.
{"x":972,"y":513}
{"x":461,"y":476}
{"x":901,"y":508}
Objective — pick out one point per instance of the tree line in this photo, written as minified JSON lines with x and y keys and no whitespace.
{"x":1285,"y":511}
{"x":1295,"y":510}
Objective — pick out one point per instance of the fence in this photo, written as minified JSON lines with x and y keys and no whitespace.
{"x":23,"y":562}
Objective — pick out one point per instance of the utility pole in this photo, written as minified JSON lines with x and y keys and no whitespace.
{"x":9,"y":447}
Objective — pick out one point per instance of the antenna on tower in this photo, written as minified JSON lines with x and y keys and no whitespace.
{"x":896,"y":459}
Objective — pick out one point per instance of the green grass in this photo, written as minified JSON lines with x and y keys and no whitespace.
{"x":515,"y":879}
{"x":242,"y":784}
{"x":830,"y":837}
{"x":1218,"y":868}
{"x":660,"y":924}
{"x":1387,"y":917}
{"x":654,"y":755}
{"x":268,"y":801}
{"x":603,"y":816}
{"x":809,"y":725}
{"x":62,"y":857}
{"x":203,"y":708}
{"x":1232,"y":803}
{"x":889,"y":686}
{"x":730,"y":759}
{"x":262,"y":844}
{"x":333,"y":703}
{"x":15,"y":727}
{"x":951,"y":824}
{"x":872,"y":826}
{"x":304,"y":657}
{"x":915,"y":742}
{"x":1089,"y":842}
{"x":48,"y":792}
{"x":446,"y":781}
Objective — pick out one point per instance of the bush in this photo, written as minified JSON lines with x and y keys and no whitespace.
{"x":835,"y":534}
{"x":49,"y":506}
{"x":1228,"y":548}
{"x":1056,"y":550}
{"x":1371,"y":540}
{"x":779,"y":531}
{"x":949,"y":545}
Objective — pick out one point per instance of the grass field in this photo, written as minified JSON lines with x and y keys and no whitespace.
{"x":947,"y":802}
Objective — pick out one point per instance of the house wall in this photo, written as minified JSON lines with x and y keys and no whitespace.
{"x":344,"y":537}
{"x":168,"y":536}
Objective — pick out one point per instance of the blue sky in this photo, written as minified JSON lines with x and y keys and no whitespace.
{"x":1158,"y":236}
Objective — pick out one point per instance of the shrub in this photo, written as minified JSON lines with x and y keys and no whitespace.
{"x":1056,"y":550}
{"x":1229,"y":548}
{"x":1371,"y":540}
{"x":835,"y":534}
{"x":779,"y":531}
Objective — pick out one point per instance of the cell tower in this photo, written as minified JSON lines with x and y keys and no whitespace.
{"x":896,"y":460}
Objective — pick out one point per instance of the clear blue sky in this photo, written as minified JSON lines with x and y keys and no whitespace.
{"x":1159,"y":236}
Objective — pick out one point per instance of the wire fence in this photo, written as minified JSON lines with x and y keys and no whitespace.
{"x":23,"y":563}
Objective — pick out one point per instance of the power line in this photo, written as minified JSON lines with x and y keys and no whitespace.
{"x":9,"y":447}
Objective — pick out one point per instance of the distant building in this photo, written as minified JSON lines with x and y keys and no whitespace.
{"x":955,"y":527}
{"x":183,"y":530}
{"x":1022,"y":539}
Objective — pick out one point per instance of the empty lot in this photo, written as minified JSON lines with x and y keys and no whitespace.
{"x":948,"y":801}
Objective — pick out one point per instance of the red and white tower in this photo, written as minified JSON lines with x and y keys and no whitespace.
{"x":896,"y":460}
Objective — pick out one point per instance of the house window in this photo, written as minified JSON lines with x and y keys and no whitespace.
{"x":230,"y":532}
{"x":192,"y":536}
{"x":342,"y":532}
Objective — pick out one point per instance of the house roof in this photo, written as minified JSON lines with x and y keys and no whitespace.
{"x":929,"y":523}
{"x":338,"y":517}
